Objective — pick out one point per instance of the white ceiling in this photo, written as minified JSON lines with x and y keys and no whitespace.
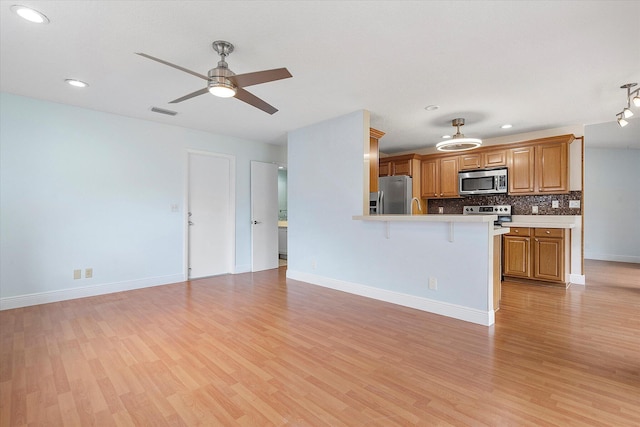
{"x":534,"y":64}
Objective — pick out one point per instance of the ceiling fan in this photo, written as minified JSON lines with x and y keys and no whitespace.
{"x":223,"y":82}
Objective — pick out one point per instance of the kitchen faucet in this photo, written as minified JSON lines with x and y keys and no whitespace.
{"x":419,"y":206}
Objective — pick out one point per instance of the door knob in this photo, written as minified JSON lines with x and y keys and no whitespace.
{"x":191,"y":223}
{"x":255,"y":222}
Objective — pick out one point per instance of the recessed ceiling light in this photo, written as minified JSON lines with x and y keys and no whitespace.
{"x":506,"y":126}
{"x":432,"y":107}
{"x":29,"y":14}
{"x":76,"y":83}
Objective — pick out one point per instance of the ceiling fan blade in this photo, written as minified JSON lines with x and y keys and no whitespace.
{"x":191,"y":95}
{"x":253,"y":100}
{"x":248,"y":79}
{"x":193,"y":73}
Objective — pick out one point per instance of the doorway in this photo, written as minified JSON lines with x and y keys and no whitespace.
{"x":211,"y":214}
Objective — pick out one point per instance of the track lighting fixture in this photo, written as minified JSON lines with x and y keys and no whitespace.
{"x":626,"y":112}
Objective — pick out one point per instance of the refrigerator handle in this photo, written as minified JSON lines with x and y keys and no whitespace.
{"x":381,"y":202}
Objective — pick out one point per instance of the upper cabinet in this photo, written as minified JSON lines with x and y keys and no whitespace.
{"x":407,"y":164}
{"x":540,"y":166}
{"x":483,"y":160}
{"x":439,"y":177}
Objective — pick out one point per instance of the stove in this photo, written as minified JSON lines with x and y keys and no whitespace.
{"x":503,"y":212}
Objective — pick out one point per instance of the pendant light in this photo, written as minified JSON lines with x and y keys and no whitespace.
{"x":458,"y":142}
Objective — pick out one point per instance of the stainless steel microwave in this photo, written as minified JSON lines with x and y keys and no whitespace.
{"x":489,"y":181}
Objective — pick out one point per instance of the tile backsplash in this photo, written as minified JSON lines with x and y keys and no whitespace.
{"x":520,"y":205}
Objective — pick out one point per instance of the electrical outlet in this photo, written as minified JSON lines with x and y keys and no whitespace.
{"x":575,"y":204}
{"x":88,"y":273}
{"x":555,"y":204}
{"x":433,"y":283}
{"x":440,"y":209}
{"x":534,"y":209}
{"x":77,"y":274}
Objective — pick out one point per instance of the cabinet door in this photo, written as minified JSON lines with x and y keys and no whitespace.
{"x":470,"y":161}
{"x":521,"y":169}
{"x":552,"y":168}
{"x":429,"y":179}
{"x":384,"y":168}
{"x":548,"y":258}
{"x":402,"y":167}
{"x":449,"y":177}
{"x":516,"y":256}
{"x":494,"y":159}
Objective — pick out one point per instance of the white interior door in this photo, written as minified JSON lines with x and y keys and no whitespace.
{"x":264,"y":216}
{"x":211,"y":230}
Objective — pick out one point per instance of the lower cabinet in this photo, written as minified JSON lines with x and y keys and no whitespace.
{"x":540,"y":254}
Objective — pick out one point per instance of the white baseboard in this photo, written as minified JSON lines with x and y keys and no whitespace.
{"x":86,"y":291}
{"x":612,"y":257}
{"x":576,"y":279}
{"x":485,"y":318}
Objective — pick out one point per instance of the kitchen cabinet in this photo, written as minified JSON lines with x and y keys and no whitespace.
{"x":407,"y":164}
{"x":540,"y":167}
{"x":374,"y":154}
{"x":483,"y":160}
{"x":516,"y":246}
{"x":494,"y":159}
{"x":552,"y":168}
{"x":548,"y":254}
{"x":540,"y":254}
{"x":439,"y":177}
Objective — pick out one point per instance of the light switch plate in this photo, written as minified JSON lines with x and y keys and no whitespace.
{"x":574,"y":204}
{"x":534,"y":209}
{"x":555,"y":204}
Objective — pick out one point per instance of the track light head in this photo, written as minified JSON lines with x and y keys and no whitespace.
{"x":622,"y":122}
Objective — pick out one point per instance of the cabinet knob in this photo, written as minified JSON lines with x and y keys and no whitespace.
{"x":435,"y":194}
{"x":548,"y":232}
{"x":441,"y":194}
{"x":517,"y":231}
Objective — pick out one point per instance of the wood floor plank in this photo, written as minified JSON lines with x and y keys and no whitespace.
{"x":257,"y":349}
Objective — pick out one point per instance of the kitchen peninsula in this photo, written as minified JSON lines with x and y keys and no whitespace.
{"x":467,"y":242}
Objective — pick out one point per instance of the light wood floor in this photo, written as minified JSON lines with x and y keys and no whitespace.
{"x":260,"y":350}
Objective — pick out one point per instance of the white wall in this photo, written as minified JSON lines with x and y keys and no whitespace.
{"x":80,"y":188}
{"x":612,"y":204}
{"x":327,"y":247}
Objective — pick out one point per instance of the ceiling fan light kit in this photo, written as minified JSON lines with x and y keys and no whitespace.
{"x":626,"y":111}
{"x":458,"y":142}
{"x":224,"y":83}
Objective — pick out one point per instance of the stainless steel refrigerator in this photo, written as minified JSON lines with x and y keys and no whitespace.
{"x":395,"y":194}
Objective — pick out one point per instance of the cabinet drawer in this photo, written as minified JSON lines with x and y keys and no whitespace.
{"x":549,"y":232}
{"x":519,"y":231}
